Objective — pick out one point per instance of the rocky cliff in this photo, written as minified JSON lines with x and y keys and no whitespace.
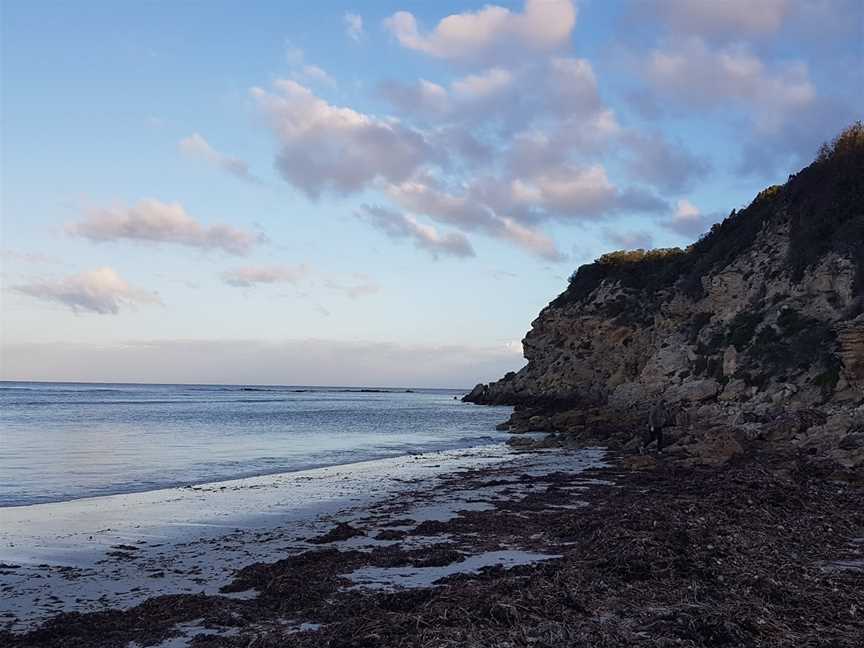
{"x":763,"y":314}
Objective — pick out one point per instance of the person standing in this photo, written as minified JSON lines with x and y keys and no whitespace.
{"x":659,"y":417}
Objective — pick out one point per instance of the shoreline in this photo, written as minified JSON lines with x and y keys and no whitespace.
{"x":266,"y":475}
{"x":557,"y":547}
{"x":66,"y":554}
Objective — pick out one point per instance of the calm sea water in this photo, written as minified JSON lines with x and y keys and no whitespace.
{"x":61,"y":441}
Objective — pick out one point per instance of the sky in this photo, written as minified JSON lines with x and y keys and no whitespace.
{"x":375,"y":193}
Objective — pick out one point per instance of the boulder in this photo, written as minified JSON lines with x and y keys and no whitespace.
{"x":695,"y":391}
{"x":733,"y":390}
{"x":850,"y":337}
{"x":730,"y":361}
{"x":476,"y":395}
{"x":715,"y":449}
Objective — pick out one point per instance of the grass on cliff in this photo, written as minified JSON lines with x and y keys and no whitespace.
{"x":824,"y":204}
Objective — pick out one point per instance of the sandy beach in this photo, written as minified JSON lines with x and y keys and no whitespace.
{"x":488,"y":547}
{"x":116,"y":551}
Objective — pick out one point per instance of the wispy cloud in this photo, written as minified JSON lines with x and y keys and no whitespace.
{"x":196,"y":146}
{"x":399,"y":226}
{"x":249,"y":276}
{"x":304,"y":72}
{"x":157,"y":222}
{"x":9,"y":254}
{"x":353,"y":25}
{"x":470,"y":213}
{"x":101,"y":291}
{"x":354,"y":286}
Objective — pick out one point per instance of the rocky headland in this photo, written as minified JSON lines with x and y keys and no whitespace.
{"x":755,"y":333}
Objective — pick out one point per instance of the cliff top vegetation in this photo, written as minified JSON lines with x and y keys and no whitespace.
{"x":824,"y":204}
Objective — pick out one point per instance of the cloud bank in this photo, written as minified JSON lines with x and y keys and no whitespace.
{"x":288,"y":362}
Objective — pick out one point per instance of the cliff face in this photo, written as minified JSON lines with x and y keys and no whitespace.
{"x":764,"y":311}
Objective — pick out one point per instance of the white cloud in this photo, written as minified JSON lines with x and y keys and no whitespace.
{"x":249,"y":276}
{"x":330,"y":148}
{"x":490,"y":83}
{"x":100,"y":291}
{"x":426,"y":237}
{"x":571,"y":190}
{"x":424,"y":196}
{"x":514,"y":346}
{"x":706,"y":78}
{"x":353,"y":26}
{"x":314,"y":74}
{"x":561,"y":89}
{"x":531,"y":239}
{"x":157,"y":222}
{"x":480,"y":155}
{"x":565,"y":191}
{"x":196,"y":146}
{"x":688,"y":220}
{"x":492,"y":31}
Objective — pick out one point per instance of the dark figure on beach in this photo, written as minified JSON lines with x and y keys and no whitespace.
{"x":659,"y":417}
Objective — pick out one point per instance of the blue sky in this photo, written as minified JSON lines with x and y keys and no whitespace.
{"x":374,"y":193}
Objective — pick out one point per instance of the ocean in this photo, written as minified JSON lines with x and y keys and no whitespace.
{"x":65,"y":441}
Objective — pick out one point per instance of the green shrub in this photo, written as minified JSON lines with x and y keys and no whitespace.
{"x":801,"y":343}
{"x":827,"y":206}
{"x":742,"y":328}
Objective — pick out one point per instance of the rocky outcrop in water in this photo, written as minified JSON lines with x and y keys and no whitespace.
{"x":763,"y":315}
